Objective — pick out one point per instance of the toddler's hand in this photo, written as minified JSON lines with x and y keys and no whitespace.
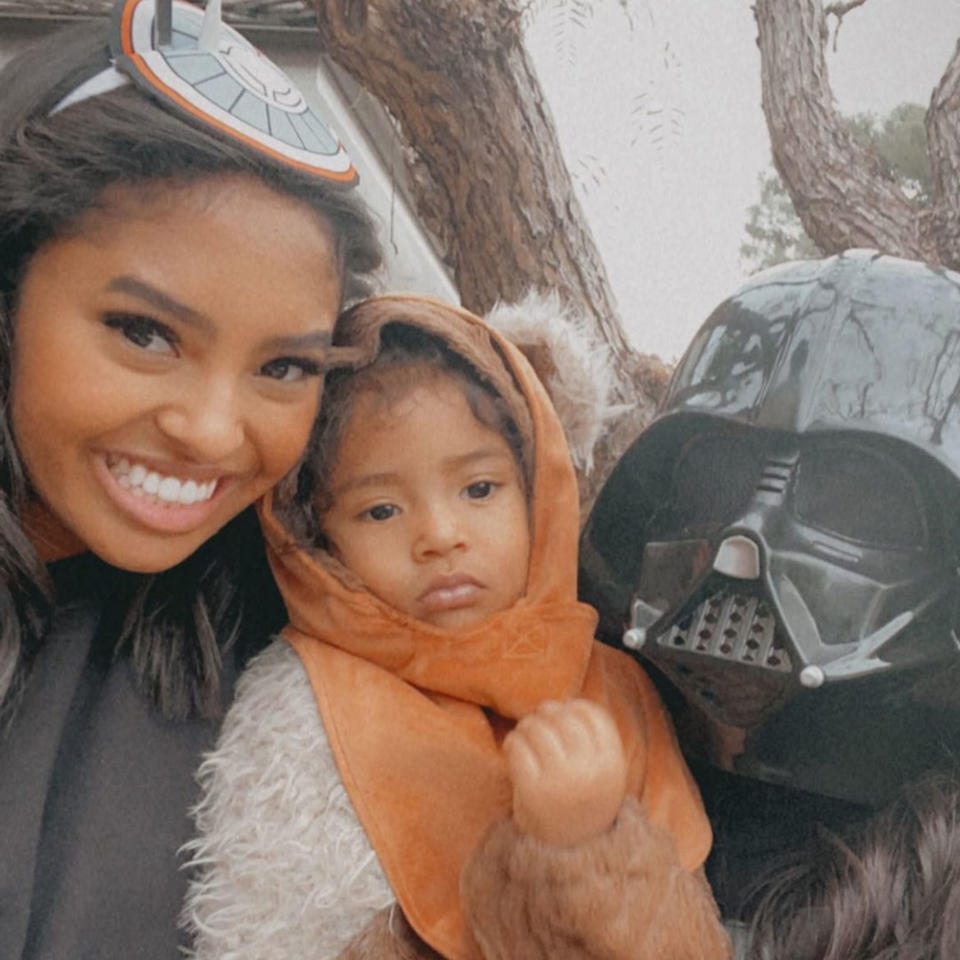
{"x":568,"y":771}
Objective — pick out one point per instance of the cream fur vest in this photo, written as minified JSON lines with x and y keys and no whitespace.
{"x":282,"y":867}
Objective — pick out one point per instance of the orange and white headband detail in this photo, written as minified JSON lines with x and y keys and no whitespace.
{"x":192,"y":62}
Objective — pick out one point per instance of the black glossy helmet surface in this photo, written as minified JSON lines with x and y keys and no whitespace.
{"x":782,"y":542}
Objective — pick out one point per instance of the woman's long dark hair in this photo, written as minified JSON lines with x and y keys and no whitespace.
{"x":892,"y":893}
{"x":52,"y":171}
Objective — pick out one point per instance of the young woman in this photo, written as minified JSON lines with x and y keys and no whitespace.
{"x":167,"y":291}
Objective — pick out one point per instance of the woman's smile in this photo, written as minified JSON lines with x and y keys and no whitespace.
{"x":141,"y":479}
{"x":167,"y":363}
{"x":168,"y":499}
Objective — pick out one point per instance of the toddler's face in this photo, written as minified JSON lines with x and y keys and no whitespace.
{"x":429,"y":507}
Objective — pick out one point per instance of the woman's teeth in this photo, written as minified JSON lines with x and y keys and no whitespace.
{"x":141,"y":481}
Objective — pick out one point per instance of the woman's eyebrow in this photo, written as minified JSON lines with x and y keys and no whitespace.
{"x":314,"y":340}
{"x":162,"y":301}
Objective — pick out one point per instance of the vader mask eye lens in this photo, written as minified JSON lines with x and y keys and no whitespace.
{"x":713,"y":478}
{"x":860,"y":495}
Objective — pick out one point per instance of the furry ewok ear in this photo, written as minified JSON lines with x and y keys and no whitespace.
{"x":573,"y":364}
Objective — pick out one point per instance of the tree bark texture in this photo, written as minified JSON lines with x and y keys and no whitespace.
{"x":838,"y":187}
{"x":943,"y":145}
{"x":485,"y":167}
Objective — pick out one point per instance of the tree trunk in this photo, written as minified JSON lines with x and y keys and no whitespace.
{"x":485,"y":167}
{"x":943,"y":144}
{"x":838,"y":188}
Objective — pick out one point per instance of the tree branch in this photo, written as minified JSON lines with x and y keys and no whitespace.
{"x":838,"y":186}
{"x":840,"y":10}
{"x":455,"y":76}
{"x":942,"y":225}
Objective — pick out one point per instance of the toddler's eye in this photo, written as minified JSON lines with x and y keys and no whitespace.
{"x":480,"y":490}
{"x":382,"y":511}
{"x":143,"y":332}
{"x":290,"y":369}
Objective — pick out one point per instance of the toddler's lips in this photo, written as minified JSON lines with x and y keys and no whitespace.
{"x":450,"y":593}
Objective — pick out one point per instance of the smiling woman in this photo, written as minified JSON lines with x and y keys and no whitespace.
{"x":190,"y":404}
{"x":168,"y":285}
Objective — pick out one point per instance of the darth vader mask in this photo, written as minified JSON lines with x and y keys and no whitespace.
{"x":781,"y":544}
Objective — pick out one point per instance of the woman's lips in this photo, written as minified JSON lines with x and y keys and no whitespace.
{"x":152,"y":511}
{"x":450,"y":593}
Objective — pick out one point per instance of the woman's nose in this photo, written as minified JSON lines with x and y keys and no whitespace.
{"x":438,"y":533}
{"x":206,"y":423}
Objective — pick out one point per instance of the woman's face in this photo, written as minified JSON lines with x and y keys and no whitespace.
{"x":167,"y":358}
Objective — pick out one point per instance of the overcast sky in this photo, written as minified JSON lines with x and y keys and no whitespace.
{"x":661,"y":124}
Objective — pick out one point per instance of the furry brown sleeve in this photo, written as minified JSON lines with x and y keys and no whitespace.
{"x":622,"y":896}
{"x":388,"y":937}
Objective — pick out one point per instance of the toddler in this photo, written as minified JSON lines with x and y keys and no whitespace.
{"x":518,"y":782}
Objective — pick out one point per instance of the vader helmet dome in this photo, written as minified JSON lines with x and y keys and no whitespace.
{"x":782,"y":542}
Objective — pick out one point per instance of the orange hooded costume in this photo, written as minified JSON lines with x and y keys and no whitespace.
{"x":415,"y":714}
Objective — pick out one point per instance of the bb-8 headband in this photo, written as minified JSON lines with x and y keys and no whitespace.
{"x":191,"y":61}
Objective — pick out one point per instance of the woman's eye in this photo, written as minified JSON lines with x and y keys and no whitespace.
{"x":480,"y":490}
{"x":382,"y":511}
{"x":289,"y":369}
{"x":143,"y":332}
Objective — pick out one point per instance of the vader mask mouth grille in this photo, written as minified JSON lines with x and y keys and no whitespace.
{"x":706,"y":650}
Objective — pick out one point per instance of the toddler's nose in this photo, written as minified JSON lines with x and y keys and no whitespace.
{"x":438,"y":533}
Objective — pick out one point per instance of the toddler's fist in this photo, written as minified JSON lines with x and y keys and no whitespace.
{"x":568,"y":771}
